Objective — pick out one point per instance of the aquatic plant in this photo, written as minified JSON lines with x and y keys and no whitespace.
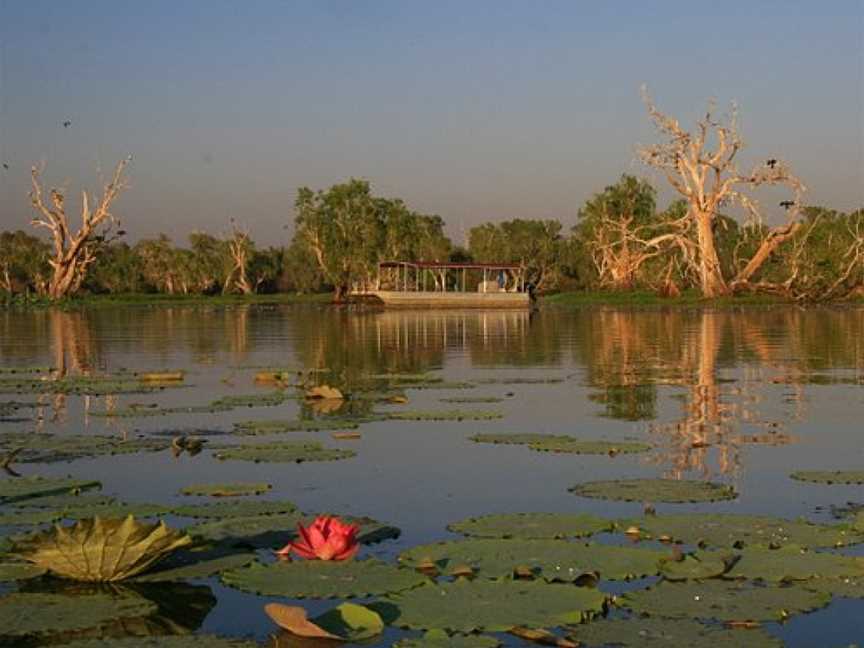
{"x":346,"y":622}
{"x":101,"y":550}
{"x":327,"y":538}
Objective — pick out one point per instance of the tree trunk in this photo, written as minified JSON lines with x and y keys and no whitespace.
{"x":710,"y":275}
{"x":63,"y":279}
{"x":339,"y":294}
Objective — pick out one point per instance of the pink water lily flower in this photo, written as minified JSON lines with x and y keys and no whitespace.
{"x":327,"y":538}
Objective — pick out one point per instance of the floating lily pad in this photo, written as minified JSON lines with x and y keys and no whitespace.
{"x":26,"y":518}
{"x":183,"y":641}
{"x":26,"y":488}
{"x":516,"y":439}
{"x":549,"y":559}
{"x":65,"y":501}
{"x":841,"y":477}
{"x":191,"y":564}
{"x":346,"y":622}
{"x":573,"y":445}
{"x":444,"y":415}
{"x":525,"y":380}
{"x":847,"y":587}
{"x":24,"y":614}
{"x":791,"y":563}
{"x":697,"y":566}
{"x":284,"y":453}
{"x":115,"y":510}
{"x":47,"y":448}
{"x":731,"y":530}
{"x":672,"y":633}
{"x":253,"y":428}
{"x":75,"y":385}
{"x":440,"y":639}
{"x":723,"y":600}
{"x":672,"y":491}
{"x":227,"y":490}
{"x":532,"y":525}
{"x":495,"y":606}
{"x":260,"y":532}
{"x":229,"y":509}
{"x":323,"y":579}
{"x":12,"y":571}
{"x":472,"y":399}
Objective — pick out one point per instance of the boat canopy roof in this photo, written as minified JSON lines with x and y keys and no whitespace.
{"x":435,"y":265}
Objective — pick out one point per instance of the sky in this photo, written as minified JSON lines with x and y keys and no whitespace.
{"x":472,"y":110}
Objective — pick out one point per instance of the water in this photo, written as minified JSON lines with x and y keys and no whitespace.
{"x":742,"y":397}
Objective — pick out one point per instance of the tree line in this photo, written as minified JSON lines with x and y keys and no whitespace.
{"x":713,"y":238}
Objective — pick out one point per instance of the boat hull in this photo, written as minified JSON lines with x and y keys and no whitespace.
{"x":408,"y":299}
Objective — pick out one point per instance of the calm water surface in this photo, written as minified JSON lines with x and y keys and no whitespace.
{"x":738,"y":396}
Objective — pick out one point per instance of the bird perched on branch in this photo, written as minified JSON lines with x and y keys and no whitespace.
{"x":67,"y":124}
{"x":771,"y":163}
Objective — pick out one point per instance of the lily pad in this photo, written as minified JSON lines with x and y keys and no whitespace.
{"x":229,"y":509}
{"x":516,"y":439}
{"x":323,"y":579}
{"x":671,"y":491}
{"x":723,"y":600}
{"x":553,"y":560}
{"x":791,"y":563}
{"x":472,"y":399}
{"x":840,"y":477}
{"x":191,"y":564}
{"x":26,"y":488}
{"x":226,"y":490}
{"x":572,"y":445}
{"x":346,"y":622}
{"x":847,"y":587}
{"x":697,"y":566}
{"x":183,"y":641}
{"x":444,"y":415}
{"x":284,"y":453}
{"x":49,"y":448}
{"x":731,"y":530}
{"x":115,"y":510}
{"x":672,"y":633}
{"x":65,"y":501}
{"x":254,"y":428}
{"x":22,"y":518}
{"x":12,"y":571}
{"x":440,"y":639}
{"x":495,"y":606}
{"x":24,"y":614}
{"x":532,"y":525}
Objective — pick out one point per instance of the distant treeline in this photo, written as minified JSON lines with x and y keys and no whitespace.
{"x":342,"y":233}
{"x":716,"y":238}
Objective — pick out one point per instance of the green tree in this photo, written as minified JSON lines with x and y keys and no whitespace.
{"x":23,"y":263}
{"x":536,"y":245}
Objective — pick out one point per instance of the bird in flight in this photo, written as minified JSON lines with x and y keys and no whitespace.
{"x":5,"y":166}
{"x":67,"y":124}
{"x":786,"y":204}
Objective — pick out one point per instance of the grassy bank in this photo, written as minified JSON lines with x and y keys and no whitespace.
{"x":158,"y":299}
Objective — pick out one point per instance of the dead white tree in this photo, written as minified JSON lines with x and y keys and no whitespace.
{"x":701,"y":166}
{"x":239,"y":247}
{"x":74,"y":250}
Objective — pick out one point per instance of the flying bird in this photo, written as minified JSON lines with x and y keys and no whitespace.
{"x":67,"y":124}
{"x":5,"y":166}
{"x":771,"y":163}
{"x":786,"y":204}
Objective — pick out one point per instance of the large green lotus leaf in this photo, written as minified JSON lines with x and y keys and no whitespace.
{"x":791,"y":563}
{"x":848,"y":587}
{"x":830,"y":476}
{"x":101,"y":550}
{"x":444,"y":415}
{"x":668,"y":633}
{"x":516,"y":439}
{"x":22,"y":518}
{"x":65,"y":501}
{"x":532,"y":525}
{"x":222,"y":510}
{"x":495,"y":605}
{"x":254,"y":428}
{"x":26,"y":488}
{"x":284,"y":453}
{"x":572,"y":445}
{"x":697,"y":566}
{"x":440,"y":639}
{"x":729,"y":529}
{"x":723,"y":600}
{"x":672,"y":491}
{"x":13,"y":571}
{"x":236,"y":489}
{"x":48,"y":448}
{"x":189,"y":564}
{"x":186,"y":641}
{"x":323,"y":579}
{"x":351,"y":622}
{"x":116,"y":510}
{"x":550,"y":559}
{"x":24,"y":614}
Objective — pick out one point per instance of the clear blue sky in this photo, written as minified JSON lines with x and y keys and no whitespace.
{"x":472,"y":110}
